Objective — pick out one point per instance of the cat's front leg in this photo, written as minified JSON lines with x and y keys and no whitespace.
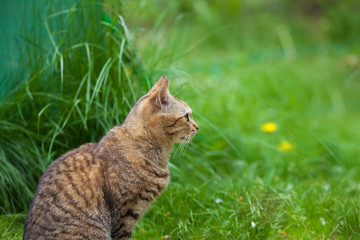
{"x":125,"y":226}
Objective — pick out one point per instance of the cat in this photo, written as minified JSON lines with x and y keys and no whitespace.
{"x":100,"y":190}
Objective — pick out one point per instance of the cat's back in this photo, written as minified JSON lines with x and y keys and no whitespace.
{"x":68,"y":198}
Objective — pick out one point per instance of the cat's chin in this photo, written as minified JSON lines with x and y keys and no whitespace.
{"x":185,"y":139}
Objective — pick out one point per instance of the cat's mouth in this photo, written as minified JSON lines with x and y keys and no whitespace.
{"x":188,"y":137}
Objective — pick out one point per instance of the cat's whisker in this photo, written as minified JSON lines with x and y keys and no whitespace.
{"x":180,"y":152}
{"x":183,"y":147}
{"x":177,"y":149}
{"x":189,"y":143}
{"x":180,"y":148}
{"x":188,"y":139}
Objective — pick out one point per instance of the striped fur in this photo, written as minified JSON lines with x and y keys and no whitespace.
{"x":100,"y":190}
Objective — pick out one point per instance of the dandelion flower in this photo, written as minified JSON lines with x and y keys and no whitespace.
{"x":253,"y":225}
{"x":322,"y":220}
{"x":269,"y":127}
{"x":326,"y":187}
{"x":286,"y":146}
{"x":289,"y":187}
{"x":218,"y":200}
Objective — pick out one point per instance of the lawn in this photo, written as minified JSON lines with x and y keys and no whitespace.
{"x":275,"y":89}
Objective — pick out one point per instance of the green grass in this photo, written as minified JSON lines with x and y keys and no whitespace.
{"x":76,"y":65}
{"x":238,"y":65}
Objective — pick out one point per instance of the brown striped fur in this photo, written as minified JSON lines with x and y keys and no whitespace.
{"x":99,"y":190}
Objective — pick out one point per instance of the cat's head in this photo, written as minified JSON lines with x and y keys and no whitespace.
{"x":163,"y":114}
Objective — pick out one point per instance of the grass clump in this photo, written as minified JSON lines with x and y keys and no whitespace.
{"x":79,"y":76}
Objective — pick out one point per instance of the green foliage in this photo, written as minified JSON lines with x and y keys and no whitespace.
{"x":11,"y":226}
{"x":79,"y":77}
{"x":239,"y":64}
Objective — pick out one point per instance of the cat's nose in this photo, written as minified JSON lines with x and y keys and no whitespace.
{"x":196,"y":127}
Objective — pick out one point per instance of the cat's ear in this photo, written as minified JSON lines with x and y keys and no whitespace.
{"x":158,"y":84}
{"x":159,"y":93}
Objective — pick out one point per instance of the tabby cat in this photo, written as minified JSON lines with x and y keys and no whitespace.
{"x":99,"y":190}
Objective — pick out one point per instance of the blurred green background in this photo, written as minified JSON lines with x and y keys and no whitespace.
{"x":274,"y":86}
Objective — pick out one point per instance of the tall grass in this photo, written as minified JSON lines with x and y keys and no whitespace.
{"x":79,"y":76}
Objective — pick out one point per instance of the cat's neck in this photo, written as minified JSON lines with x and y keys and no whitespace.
{"x":155,"y":147}
{"x":138,"y":141}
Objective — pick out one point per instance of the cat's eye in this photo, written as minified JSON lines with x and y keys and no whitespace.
{"x":187,"y":117}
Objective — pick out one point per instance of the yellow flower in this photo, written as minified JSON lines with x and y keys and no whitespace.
{"x":286,"y":146}
{"x":269,"y":127}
